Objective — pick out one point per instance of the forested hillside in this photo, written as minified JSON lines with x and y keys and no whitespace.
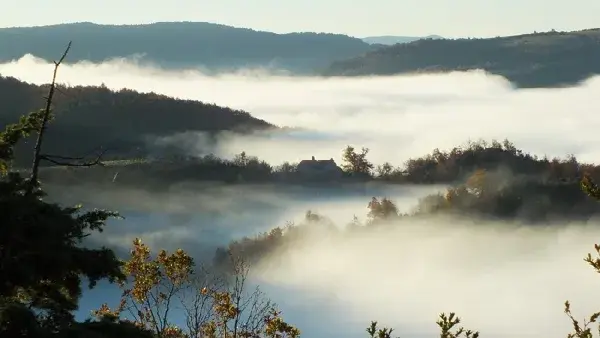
{"x":184,"y":44}
{"x":531,"y":60}
{"x":487,"y":179}
{"x":92,"y":117}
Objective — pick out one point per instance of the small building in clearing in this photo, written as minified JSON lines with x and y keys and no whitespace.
{"x":319,"y":169}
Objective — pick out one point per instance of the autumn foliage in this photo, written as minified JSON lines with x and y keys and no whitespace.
{"x":158,"y":286}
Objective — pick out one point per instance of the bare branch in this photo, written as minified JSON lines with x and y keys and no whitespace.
{"x":60,"y":157}
{"x":197,"y":306}
{"x":67,"y":161}
{"x":45,"y":118}
{"x":253,"y":306}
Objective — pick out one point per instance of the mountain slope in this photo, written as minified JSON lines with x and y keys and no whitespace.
{"x":183,"y":44}
{"x":532,"y":60}
{"x":91,"y":117}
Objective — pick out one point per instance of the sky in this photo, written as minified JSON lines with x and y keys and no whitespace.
{"x":360,"y":18}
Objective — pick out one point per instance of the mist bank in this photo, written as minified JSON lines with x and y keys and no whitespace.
{"x":203,"y":217}
{"x":397,"y":117}
{"x":400,"y":270}
{"x":405,"y":274}
{"x":503,"y":280}
{"x":501,"y":245}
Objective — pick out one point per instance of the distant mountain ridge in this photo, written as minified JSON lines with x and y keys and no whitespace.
{"x":393,"y":39}
{"x":215,"y":47}
{"x":530,"y":60}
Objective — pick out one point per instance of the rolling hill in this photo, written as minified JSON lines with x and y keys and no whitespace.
{"x":183,"y":44}
{"x":532,"y":60}
{"x":120,"y":121}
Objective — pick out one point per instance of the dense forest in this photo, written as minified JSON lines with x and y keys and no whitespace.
{"x":91,"y":118}
{"x":184,"y":44}
{"x":531,"y":60}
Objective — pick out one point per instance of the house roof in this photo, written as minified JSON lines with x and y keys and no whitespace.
{"x":318,"y":164}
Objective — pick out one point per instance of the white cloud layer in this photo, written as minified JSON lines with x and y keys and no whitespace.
{"x":397,"y":117}
{"x":504,"y":281}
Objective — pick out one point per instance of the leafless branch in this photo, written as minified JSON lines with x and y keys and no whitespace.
{"x":55,"y":159}
{"x":45,"y":118}
{"x":253,"y":306}
{"x":198,"y":307}
{"x":69,"y":161}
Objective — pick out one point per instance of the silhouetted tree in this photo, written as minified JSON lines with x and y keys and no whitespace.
{"x":383,"y":209}
{"x":42,"y":260}
{"x":356,"y":163}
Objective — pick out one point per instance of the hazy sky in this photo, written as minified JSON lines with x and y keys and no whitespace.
{"x":358,"y":18}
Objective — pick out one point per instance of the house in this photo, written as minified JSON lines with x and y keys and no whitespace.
{"x":319,"y":169}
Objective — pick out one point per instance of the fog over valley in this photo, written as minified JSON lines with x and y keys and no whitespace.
{"x":503,"y":246}
{"x":396,"y":117}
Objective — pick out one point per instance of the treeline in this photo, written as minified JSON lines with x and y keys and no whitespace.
{"x":487,"y":181}
{"x":532,"y":60}
{"x":94,"y":117}
{"x":438,"y":167}
{"x":485,"y":196}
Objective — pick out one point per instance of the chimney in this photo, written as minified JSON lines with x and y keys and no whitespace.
{"x":313,"y":158}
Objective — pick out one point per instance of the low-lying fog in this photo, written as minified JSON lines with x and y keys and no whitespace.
{"x":503,"y":280}
{"x":397,"y":117}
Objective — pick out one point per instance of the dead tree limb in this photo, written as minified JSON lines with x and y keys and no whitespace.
{"x":38,"y":156}
{"x":67,"y":161}
{"x":45,"y":118}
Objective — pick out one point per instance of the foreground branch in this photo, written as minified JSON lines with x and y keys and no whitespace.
{"x":45,"y":118}
{"x":38,"y":157}
{"x":69,"y":161}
